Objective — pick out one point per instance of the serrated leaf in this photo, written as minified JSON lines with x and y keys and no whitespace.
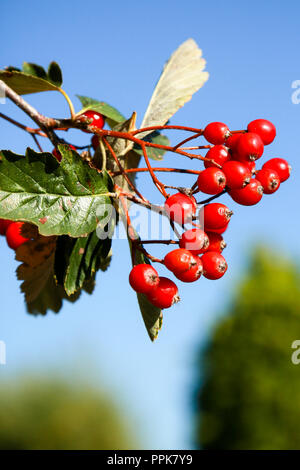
{"x":55,"y":74}
{"x":182,"y":76}
{"x":24,"y":84}
{"x":61,"y":199}
{"x":113,"y":116}
{"x":35,"y":70}
{"x":152,"y":315}
{"x":152,"y":152}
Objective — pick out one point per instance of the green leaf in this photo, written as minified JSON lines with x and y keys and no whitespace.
{"x":35,"y":70}
{"x":77,"y":260}
{"x":24,"y":84}
{"x":152,"y":316}
{"x":113,"y":116}
{"x":156,"y":138}
{"x":61,"y":199}
{"x":182,"y":76}
{"x":55,"y":74}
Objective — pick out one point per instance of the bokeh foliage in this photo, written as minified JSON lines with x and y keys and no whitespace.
{"x":52,"y":414}
{"x":250,"y":392}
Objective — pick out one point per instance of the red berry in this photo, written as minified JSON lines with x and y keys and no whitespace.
{"x":180,"y":207}
{"x":14,"y":237}
{"x":251,"y":166}
{"x":194,"y":240}
{"x":165,"y":294}
{"x":57,"y":154}
{"x":265,"y":129}
{"x":237,"y":174}
{"x":219,"y":230}
{"x":250,"y":195}
{"x":95,"y":142}
{"x":232,"y":140}
{"x":219,"y":154}
{"x":216,"y":242}
{"x":4,"y":224}
{"x":143,"y":278}
{"x":96,"y":118}
{"x":193,"y":273}
{"x":281,"y":166}
{"x":215,"y":216}
{"x":216,"y":133}
{"x":249,"y":147}
{"x":179,"y":260}
{"x":214,"y":265}
{"x":211,"y":181}
{"x":269,"y":180}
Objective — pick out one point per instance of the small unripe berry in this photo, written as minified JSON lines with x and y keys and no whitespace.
{"x":96,"y":118}
{"x":265,"y":129}
{"x":281,"y":166}
{"x":4,"y":224}
{"x":215,"y":216}
{"x":219,"y":154}
{"x":195,"y":240}
{"x":181,"y":208}
{"x":237,"y":174}
{"x":269,"y":180}
{"x":250,"y":195}
{"x":193,"y":274}
{"x":165,"y":294}
{"x":14,"y":237}
{"x":216,"y":242}
{"x":179,"y":260}
{"x":143,"y":278}
{"x":211,"y":181}
{"x":249,"y":147}
{"x":214,"y":265}
{"x":216,"y":133}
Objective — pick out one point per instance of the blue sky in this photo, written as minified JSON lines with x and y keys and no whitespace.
{"x":115,"y":52}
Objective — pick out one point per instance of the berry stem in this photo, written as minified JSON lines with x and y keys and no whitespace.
{"x":72,"y":110}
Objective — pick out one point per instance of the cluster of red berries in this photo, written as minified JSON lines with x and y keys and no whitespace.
{"x":229,"y":166}
{"x":13,"y":233}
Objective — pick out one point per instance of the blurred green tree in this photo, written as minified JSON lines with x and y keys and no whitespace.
{"x":56,"y":415}
{"x":250,"y":389}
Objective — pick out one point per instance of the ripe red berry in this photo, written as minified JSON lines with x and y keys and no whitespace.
{"x":194,"y":240}
{"x":14,"y":237}
{"x":250,"y":195}
{"x":237,"y":174}
{"x":269,"y":180}
{"x":281,"y":166}
{"x":215,"y":216}
{"x":219,"y":154}
{"x":211,"y":181}
{"x":216,"y":242}
{"x":232,"y":140}
{"x":95,"y":142}
{"x":216,"y":133}
{"x":265,"y":129}
{"x":214,"y":265}
{"x":249,"y":147}
{"x":179,"y":260}
{"x":96,"y":118}
{"x":180,"y":207}
{"x":4,"y":224}
{"x":165,"y":294}
{"x":143,"y":278}
{"x":57,"y":154}
{"x":219,"y":230}
{"x":251,"y":166}
{"x":193,"y":274}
